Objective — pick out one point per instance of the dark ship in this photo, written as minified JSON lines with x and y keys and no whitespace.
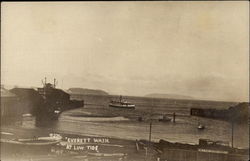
{"x":55,"y":101}
{"x":45,"y":103}
{"x":121,"y":104}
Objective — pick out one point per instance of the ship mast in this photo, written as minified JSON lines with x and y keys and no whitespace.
{"x":55,"y":83}
{"x":44,"y":86}
{"x":44,"y":82}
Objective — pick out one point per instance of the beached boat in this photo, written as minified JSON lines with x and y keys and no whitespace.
{"x":30,"y":142}
{"x":121,"y":104}
{"x":39,"y":141}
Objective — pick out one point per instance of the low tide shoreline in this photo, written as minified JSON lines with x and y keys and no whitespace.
{"x":92,"y":147}
{"x":73,"y":146}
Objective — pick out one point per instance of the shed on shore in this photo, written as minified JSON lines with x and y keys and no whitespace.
{"x":29,"y":99}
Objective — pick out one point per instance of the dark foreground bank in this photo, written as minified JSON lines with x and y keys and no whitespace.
{"x":39,"y":144}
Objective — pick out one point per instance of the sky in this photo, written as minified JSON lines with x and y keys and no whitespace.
{"x":198,"y":49}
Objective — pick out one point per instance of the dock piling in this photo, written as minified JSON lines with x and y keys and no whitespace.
{"x":174,"y":117}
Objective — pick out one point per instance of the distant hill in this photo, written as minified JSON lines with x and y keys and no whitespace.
{"x":85,"y":91}
{"x":171,"y":96}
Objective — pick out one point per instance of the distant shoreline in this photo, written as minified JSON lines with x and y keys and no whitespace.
{"x":130,"y":96}
{"x":99,"y":92}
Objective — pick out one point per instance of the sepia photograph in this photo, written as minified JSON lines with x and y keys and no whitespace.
{"x":125,"y":81}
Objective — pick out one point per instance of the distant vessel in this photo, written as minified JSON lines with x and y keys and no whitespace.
{"x":121,"y":104}
{"x":201,"y":127}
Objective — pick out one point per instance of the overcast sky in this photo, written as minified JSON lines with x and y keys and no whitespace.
{"x":198,"y":49}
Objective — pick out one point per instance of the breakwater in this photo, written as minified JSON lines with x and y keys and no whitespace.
{"x":238,"y":113}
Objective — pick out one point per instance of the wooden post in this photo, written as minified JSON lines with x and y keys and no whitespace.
{"x":149,"y":139}
{"x":150,"y":130}
{"x":137,"y":146}
{"x":174,"y":117}
{"x":232,"y":134}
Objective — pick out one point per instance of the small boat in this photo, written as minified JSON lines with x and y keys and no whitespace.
{"x":6,"y":133}
{"x":107,"y":154}
{"x":201,"y":127}
{"x":27,"y":115}
{"x":30,"y":142}
{"x":165,"y":119}
{"x":39,"y":141}
{"x":121,"y":104}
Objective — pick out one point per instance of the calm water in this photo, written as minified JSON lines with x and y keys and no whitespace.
{"x":120,"y":123}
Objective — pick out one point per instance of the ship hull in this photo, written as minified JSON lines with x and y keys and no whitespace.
{"x":122,"y":106}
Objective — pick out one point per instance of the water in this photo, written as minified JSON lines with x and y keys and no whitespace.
{"x":96,"y":118}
